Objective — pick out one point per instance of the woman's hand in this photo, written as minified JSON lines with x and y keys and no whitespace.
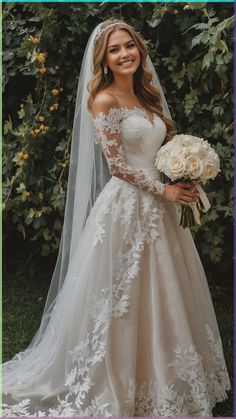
{"x":182,"y":193}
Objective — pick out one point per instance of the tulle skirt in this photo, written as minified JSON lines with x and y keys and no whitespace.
{"x":133,"y":331}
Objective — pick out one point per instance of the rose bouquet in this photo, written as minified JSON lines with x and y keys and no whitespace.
{"x":184,"y":159}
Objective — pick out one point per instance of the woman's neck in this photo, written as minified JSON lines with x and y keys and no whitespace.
{"x":124,"y":85}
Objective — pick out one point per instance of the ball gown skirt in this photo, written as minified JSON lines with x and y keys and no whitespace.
{"x":133,"y":331}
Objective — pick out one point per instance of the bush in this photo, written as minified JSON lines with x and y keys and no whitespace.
{"x":191,"y":46}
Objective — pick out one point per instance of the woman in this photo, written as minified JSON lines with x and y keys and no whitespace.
{"x":129,"y":328}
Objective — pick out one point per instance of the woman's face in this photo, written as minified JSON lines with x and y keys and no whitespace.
{"x":122,"y":54}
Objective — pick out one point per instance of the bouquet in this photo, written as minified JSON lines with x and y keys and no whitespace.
{"x":184,"y":159}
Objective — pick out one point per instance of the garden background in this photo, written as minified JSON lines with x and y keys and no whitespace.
{"x":191,"y":45}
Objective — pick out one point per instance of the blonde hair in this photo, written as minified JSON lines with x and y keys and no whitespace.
{"x":146,"y":93}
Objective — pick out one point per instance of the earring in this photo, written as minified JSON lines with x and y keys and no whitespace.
{"x":105,"y":71}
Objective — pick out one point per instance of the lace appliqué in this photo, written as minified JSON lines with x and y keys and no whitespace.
{"x":122,"y":205}
{"x":203,"y":389}
{"x":108,"y":136}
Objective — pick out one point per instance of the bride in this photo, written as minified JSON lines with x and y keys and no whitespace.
{"x":129,"y":327}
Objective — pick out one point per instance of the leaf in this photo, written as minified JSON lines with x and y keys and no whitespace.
{"x":154,"y":23}
{"x":21,"y":187}
{"x":199,"y":26}
{"x":7,"y":126}
{"x":39,"y":222}
{"x":21,"y":113}
{"x":46,"y":234}
{"x":196,"y":40}
{"x":21,"y":229}
{"x":208,"y":59}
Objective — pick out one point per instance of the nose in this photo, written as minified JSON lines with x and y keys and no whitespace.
{"x":124,"y":52}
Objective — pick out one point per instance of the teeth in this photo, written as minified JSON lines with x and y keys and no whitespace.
{"x":126,"y":62}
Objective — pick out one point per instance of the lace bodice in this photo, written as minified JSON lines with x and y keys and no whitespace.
{"x":130,"y":142}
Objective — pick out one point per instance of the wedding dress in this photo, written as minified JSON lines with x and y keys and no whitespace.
{"x":133,"y":331}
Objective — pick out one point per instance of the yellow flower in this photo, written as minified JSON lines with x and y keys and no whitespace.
{"x":56,"y":105}
{"x":41,"y":127}
{"x":27,"y":194}
{"x":222,"y":47}
{"x":164,"y":9}
{"x":41,"y":57}
{"x":34,"y":39}
{"x":37,"y":131}
{"x":25,"y":156}
{"x":41,"y":118}
{"x":46,"y":128}
{"x":55,"y":92}
{"x":43,"y":70}
{"x":52,"y":108}
{"x":21,"y":155}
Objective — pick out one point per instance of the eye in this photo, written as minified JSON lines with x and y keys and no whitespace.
{"x":113,"y":50}
{"x":131,"y":45}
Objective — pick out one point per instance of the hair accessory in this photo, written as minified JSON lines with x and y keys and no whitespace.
{"x":100,"y":31}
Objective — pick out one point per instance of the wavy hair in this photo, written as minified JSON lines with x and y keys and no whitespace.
{"x":146,"y":93}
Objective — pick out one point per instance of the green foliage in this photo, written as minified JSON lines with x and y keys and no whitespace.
{"x":192,"y":49}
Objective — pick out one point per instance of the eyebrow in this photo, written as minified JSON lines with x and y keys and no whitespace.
{"x":110,"y":46}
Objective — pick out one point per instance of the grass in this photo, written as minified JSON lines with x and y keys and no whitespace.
{"x":223,"y":302}
{"x":23,"y":302}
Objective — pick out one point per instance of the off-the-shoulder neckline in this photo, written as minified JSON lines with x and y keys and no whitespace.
{"x":133,"y":108}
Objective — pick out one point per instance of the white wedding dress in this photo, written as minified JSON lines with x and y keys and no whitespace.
{"x":133,"y":332}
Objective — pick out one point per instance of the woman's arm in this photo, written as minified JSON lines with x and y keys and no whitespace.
{"x":108,"y":135}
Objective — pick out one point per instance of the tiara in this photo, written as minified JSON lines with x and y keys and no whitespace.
{"x":100,"y":31}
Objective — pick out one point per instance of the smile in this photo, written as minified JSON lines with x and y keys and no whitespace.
{"x":126,"y":63}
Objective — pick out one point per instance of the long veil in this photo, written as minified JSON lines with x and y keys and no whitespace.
{"x":88,"y":174}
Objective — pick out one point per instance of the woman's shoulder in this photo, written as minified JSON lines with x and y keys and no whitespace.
{"x":103,"y":102}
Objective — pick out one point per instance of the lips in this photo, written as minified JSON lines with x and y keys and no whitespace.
{"x":127,"y":62}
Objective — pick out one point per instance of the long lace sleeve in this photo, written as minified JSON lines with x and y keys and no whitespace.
{"x":108,"y":135}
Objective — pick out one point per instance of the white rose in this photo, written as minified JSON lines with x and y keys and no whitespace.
{"x":195,"y":148}
{"x":190,"y":139}
{"x":204,"y":150}
{"x":211,"y":168}
{"x":198,"y":140}
{"x":187,"y":140}
{"x":180,"y":150}
{"x":177,"y":138}
{"x":194,"y":167}
{"x":161,"y":162}
{"x":177,"y":167}
{"x":184,"y":151}
{"x":212,"y":156}
{"x":209,"y":171}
